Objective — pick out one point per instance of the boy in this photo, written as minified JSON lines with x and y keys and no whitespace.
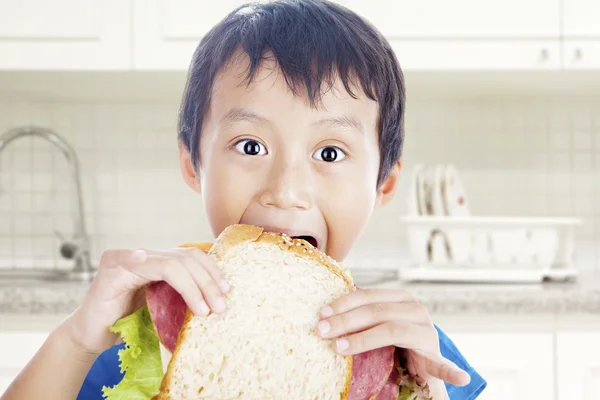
{"x":292,"y":119}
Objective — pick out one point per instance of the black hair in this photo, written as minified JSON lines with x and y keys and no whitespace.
{"x":314,"y":42}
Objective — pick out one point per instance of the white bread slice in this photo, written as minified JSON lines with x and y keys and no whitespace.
{"x":165,"y":357}
{"x":265,"y":345}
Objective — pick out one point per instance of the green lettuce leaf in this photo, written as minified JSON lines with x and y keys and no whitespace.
{"x":411,"y":387}
{"x":140,"y":359}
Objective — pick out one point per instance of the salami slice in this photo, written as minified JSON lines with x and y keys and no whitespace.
{"x":391,"y":389}
{"x":370,"y":370}
{"x":167,"y":310}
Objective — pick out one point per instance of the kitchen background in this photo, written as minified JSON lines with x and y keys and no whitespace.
{"x":508,"y":92}
{"x":532,"y":155}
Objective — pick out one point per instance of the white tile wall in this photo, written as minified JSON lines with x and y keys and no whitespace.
{"x":525,"y":156}
{"x":132,"y":189}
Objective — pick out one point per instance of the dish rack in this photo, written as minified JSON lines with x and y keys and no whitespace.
{"x":490,"y":249}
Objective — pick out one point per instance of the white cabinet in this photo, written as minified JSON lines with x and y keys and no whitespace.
{"x":461,"y":19}
{"x":16,"y":349}
{"x":581,"y":54}
{"x":431,"y":55}
{"x":580,"y":19}
{"x":578,"y":363}
{"x":517,"y":366}
{"x":21,"y":336}
{"x":64,"y":35}
{"x":426,"y":34}
{"x":581,"y":34}
{"x":468,"y":34}
{"x":166,"y":33}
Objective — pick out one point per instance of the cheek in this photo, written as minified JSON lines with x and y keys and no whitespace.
{"x":347,"y":204}
{"x":353,"y":208}
{"x":226,"y":193}
{"x":346,"y":224}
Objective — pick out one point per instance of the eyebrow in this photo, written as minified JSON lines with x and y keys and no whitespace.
{"x":342,"y":122}
{"x":243,"y":115}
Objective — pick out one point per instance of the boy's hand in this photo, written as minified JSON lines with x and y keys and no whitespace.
{"x":367,"y":319}
{"x":118,"y":290}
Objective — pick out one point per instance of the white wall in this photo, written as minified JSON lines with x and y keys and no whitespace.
{"x":530,"y":156}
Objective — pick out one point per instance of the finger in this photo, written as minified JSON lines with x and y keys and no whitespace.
{"x":210,"y":266}
{"x":362,"y":297}
{"x":408,"y":336}
{"x":444,"y":369}
{"x":172,"y":271}
{"x":113,"y":258}
{"x":399,"y":333}
{"x":208,"y":287}
{"x":370,"y":315}
{"x":202,"y":259}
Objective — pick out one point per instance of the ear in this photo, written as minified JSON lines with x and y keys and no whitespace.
{"x":188,"y":172}
{"x":387,"y":190}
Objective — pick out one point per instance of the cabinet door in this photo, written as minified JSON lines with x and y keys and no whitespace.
{"x":64,"y":35}
{"x":16,"y":349}
{"x":517,"y":366}
{"x":461,"y":19}
{"x":581,"y":19}
{"x":460,"y":55}
{"x":578,"y":358}
{"x":166,"y":33}
{"x":468,"y":34}
{"x":581,"y":54}
{"x":581,"y":34}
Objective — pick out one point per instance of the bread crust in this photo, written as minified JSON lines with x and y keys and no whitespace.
{"x":163,"y":393}
{"x":205,"y":247}
{"x":235,"y":235}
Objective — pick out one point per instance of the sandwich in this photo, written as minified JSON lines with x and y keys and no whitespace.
{"x":264,"y":346}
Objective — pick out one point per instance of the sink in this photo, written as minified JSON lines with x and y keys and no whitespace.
{"x":12,"y":275}
{"x":370,"y":276}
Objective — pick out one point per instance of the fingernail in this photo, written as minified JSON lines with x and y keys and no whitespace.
{"x":327,"y":312}
{"x":466,"y":378}
{"x":224,"y":286}
{"x":342,"y":344}
{"x":324,"y":326}
{"x":220,"y":304}
{"x":459,"y":371}
{"x":138,"y":255}
{"x":204,"y":310}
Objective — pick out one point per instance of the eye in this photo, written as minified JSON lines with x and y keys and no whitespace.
{"x":330,"y":154}
{"x":250,"y":147}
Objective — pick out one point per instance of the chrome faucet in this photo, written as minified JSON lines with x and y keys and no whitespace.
{"x":77,"y":249}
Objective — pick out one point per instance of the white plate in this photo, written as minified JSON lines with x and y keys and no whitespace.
{"x":454,"y":195}
{"x":415,"y":203}
{"x":437,"y":181}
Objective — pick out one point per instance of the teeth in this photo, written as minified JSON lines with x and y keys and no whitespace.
{"x":309,"y":239}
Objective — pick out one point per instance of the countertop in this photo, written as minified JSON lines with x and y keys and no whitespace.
{"x":581,"y":296}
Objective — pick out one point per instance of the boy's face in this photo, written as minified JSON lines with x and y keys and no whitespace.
{"x":268,"y":158}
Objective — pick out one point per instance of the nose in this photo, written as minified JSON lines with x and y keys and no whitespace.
{"x":287,"y":187}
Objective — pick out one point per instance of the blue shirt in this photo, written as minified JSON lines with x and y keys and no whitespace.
{"x":106,"y":372}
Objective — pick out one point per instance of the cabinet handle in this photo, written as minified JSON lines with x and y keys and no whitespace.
{"x":578,"y":54}
{"x":544,"y":54}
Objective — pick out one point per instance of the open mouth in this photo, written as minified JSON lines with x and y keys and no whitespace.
{"x":309,"y":239}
